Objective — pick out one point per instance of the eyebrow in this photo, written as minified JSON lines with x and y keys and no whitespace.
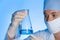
{"x":53,"y":12}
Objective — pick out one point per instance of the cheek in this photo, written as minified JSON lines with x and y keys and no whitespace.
{"x":50,"y":18}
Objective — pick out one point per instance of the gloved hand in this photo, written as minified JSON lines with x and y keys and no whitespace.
{"x":33,"y":37}
{"x":17,"y":18}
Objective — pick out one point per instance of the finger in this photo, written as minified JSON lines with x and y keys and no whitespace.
{"x":18,"y":20}
{"x":19,"y":17}
{"x":36,"y":38}
{"x":23,"y":13}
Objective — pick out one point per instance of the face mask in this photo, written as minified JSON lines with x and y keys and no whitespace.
{"x":54,"y":25}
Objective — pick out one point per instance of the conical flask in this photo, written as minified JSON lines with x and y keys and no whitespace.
{"x":26,"y":26}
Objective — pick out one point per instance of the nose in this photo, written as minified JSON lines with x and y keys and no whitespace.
{"x":50,"y":18}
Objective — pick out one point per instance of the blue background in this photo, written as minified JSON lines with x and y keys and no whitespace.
{"x":8,"y":7}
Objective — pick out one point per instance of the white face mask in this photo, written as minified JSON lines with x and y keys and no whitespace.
{"x":54,"y":25}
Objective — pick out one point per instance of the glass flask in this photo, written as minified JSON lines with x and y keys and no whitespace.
{"x":26,"y":26}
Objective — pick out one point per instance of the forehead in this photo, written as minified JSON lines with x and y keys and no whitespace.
{"x":51,"y":11}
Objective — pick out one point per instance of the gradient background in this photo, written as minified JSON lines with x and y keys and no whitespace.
{"x":8,"y":7}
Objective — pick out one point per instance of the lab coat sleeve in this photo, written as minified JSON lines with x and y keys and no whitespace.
{"x":43,"y":34}
{"x":16,"y":35}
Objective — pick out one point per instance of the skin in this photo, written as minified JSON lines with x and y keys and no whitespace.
{"x":51,"y":15}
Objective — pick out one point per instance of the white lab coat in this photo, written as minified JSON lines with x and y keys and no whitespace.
{"x":45,"y":34}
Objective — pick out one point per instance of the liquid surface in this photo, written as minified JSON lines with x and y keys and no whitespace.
{"x":26,"y":31}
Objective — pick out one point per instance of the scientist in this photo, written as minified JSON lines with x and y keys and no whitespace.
{"x":52,"y":16}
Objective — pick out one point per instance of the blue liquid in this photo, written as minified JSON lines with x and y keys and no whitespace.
{"x":26,"y":31}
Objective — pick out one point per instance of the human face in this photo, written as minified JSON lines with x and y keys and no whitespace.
{"x":51,"y":14}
